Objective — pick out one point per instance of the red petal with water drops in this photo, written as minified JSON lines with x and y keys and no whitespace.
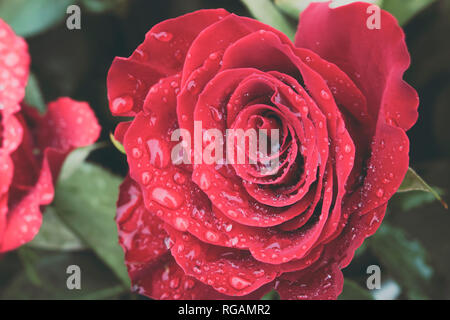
{"x":375,"y":59}
{"x":343,"y":154}
{"x":153,"y":271}
{"x":324,"y":283}
{"x":356,"y":230}
{"x":24,"y":215}
{"x":162,"y":54}
{"x":229,"y":271}
{"x":121,"y":130}
{"x":140,"y":233}
{"x":67,"y":124}
{"x":14,"y":65}
{"x":165,"y":280}
{"x":46,"y":141}
{"x":380,"y":57}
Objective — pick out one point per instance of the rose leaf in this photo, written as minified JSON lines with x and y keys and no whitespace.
{"x":86,"y":203}
{"x":413,"y":182}
{"x":404,"y":259}
{"x":266,"y":12}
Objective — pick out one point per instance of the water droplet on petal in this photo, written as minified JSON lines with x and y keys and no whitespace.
{"x":188,"y":284}
{"x":211,"y":236}
{"x":380,"y":193}
{"x":136,"y":153}
{"x":179,"y":178}
{"x":216,"y":114}
{"x":122,"y":104}
{"x":163,"y":36}
{"x":146,"y":177}
{"x":239,"y":283}
{"x":158,"y":153}
{"x":181,"y":224}
{"x":191,"y":85}
{"x":205,"y":182}
{"x":168,"y":242}
{"x":174,"y":283}
{"x":347,"y":148}
{"x":167,"y":198}
{"x":324,"y":95}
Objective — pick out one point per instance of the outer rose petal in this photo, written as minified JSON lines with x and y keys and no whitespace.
{"x":14,"y":63}
{"x":375,"y":60}
{"x":152,"y":269}
{"x":68,"y":124}
{"x":324,"y":283}
{"x":165,"y":280}
{"x":162,"y":54}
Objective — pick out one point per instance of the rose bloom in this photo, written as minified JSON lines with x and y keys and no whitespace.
{"x":32,"y":146}
{"x":218,"y":231}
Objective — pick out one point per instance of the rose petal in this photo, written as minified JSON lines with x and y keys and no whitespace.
{"x":161,"y":54}
{"x":375,"y":59}
{"x":325,"y":283}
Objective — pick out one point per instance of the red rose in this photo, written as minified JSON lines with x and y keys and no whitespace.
{"x":32,"y":147}
{"x":212,"y":231}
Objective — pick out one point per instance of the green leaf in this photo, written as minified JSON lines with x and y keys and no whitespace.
{"x":405,"y":10}
{"x":28,"y":18}
{"x":54,"y":234}
{"x":117,"y":144}
{"x":266,"y":12}
{"x":104,"y":293}
{"x":413,"y":182}
{"x":407,"y":201}
{"x":28,"y":259}
{"x":103,"y":6}
{"x":33,"y":95}
{"x":87,"y":204}
{"x":272,"y":295}
{"x":97,"y":282}
{"x":293,"y":8}
{"x":404,"y":259}
{"x":76,"y":158}
{"x":353,"y":291}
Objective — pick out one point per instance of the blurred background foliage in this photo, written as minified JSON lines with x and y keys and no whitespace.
{"x":412,"y":246}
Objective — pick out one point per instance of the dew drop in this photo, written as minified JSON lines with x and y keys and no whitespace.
{"x":191,"y":86}
{"x":211,"y":236}
{"x":324,"y":95}
{"x":158,"y":154}
{"x":239,"y":283}
{"x":380,"y":193}
{"x":146,"y":177}
{"x":167,"y":198}
{"x":168,"y":242}
{"x":163,"y":36}
{"x":122,"y":104}
{"x":181,"y":224}
{"x":136,"y":153}
{"x":174,"y":283}
{"x":179,"y":178}
{"x":205,"y":182}
{"x":215,"y":114}
{"x":188,"y":284}
{"x":347,"y":148}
